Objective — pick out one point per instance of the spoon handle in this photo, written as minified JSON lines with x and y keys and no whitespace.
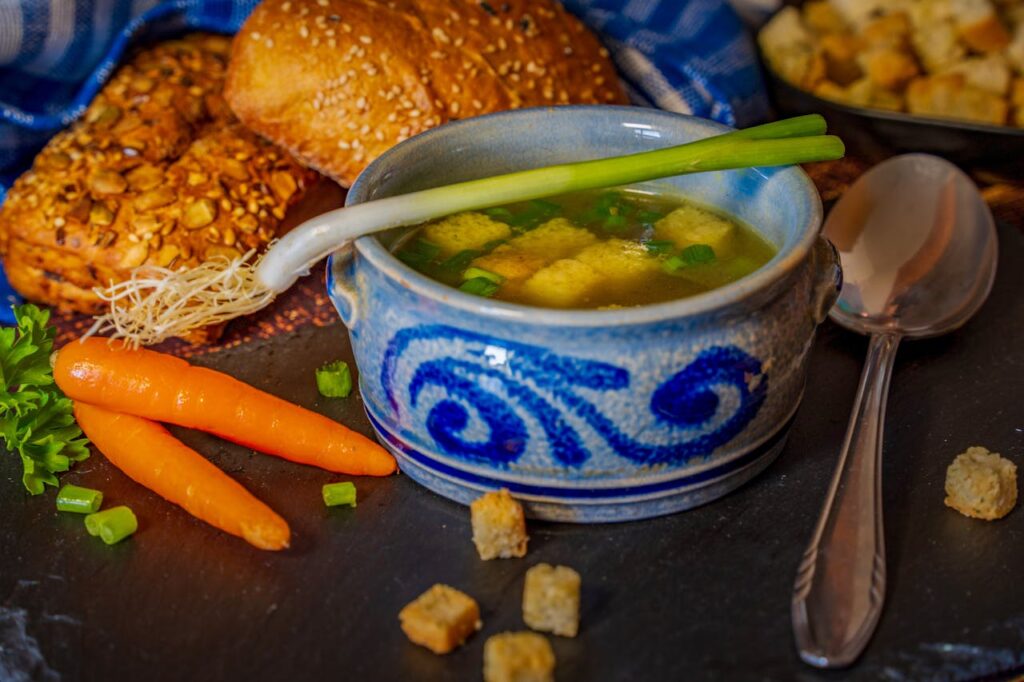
{"x":840,"y":586}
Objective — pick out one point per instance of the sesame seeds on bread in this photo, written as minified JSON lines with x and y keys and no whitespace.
{"x":158,"y":172}
{"x":338,"y":82}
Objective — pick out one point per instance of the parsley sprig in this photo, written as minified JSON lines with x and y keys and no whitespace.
{"x":36,"y":420}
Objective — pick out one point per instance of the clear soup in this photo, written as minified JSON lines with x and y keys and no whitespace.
{"x":605,"y":249}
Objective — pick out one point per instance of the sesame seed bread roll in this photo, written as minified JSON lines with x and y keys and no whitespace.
{"x":157,"y":172}
{"x":338,"y":82}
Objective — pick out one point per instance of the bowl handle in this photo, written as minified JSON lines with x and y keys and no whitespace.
{"x":340,"y":287}
{"x":828,"y":278}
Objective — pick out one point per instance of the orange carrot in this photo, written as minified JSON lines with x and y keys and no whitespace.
{"x":151,"y":456}
{"x":164,"y":388}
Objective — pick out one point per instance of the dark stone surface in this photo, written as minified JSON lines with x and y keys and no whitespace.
{"x":699,"y":595}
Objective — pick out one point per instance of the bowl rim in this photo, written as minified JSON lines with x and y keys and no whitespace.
{"x":785,"y":261}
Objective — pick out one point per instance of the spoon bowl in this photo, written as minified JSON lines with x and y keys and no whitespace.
{"x":918,"y":248}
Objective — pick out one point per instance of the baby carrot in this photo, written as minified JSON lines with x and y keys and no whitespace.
{"x":148,"y":454}
{"x":164,"y":388}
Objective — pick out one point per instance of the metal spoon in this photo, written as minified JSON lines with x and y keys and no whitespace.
{"x":918,"y":249}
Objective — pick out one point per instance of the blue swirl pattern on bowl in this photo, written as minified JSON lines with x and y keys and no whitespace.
{"x":585,"y":415}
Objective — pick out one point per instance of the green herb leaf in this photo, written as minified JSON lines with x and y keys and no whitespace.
{"x":698,"y":254}
{"x":614,"y":223}
{"x":480,"y":286}
{"x":334,"y":380}
{"x":36,"y":420}
{"x":649,"y":217}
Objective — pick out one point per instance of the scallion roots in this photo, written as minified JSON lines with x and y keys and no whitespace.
{"x":156,"y":304}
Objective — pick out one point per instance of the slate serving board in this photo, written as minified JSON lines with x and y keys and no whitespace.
{"x":702,"y":595}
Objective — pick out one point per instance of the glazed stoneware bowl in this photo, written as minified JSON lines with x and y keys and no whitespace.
{"x":585,"y":415}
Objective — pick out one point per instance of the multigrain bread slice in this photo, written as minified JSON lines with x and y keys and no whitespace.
{"x":338,"y":82}
{"x":157,"y":172}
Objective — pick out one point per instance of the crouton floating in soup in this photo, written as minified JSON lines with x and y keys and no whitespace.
{"x":587,"y":250}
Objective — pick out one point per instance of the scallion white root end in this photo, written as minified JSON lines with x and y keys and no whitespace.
{"x":156,"y":304}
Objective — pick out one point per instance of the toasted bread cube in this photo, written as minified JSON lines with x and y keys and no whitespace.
{"x":949,"y":95}
{"x":1017,"y":99}
{"x":465,"y":231}
{"x":990,"y":73}
{"x":689,"y":225}
{"x":551,"y":599}
{"x":620,"y":260}
{"x":566,"y":283}
{"x":981,"y":484}
{"x":862,"y":93}
{"x":790,"y":51}
{"x":937,"y":45}
{"x":518,"y":657}
{"x":841,"y":58}
{"x":556,"y":239}
{"x":860,"y":12}
{"x":1015,"y":52}
{"x":979,"y":25}
{"x":499,"y":526}
{"x":889,"y":30}
{"x":888,"y":67}
{"x":823,"y":19}
{"x":440,"y":619}
{"x":510,"y":263}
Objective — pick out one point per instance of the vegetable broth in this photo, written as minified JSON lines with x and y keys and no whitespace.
{"x":603,"y":249}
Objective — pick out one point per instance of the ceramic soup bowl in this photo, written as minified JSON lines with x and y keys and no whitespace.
{"x":585,"y":415}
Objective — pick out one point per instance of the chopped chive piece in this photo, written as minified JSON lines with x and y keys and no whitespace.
{"x":337,"y":494}
{"x":473,"y":273}
{"x":673,"y":264}
{"x":607,"y":200}
{"x":493,"y":244}
{"x":479,"y":286}
{"x":498,"y":213}
{"x":412,"y":259}
{"x":112,"y":525}
{"x":697,"y":254}
{"x":334,"y":380}
{"x":614,"y":223}
{"x":418,"y":253}
{"x":73,"y":498}
{"x":659,"y":247}
{"x":426,"y":248}
{"x":461,"y":260}
{"x":649,"y":216}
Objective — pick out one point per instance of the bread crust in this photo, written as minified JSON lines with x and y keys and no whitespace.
{"x":338,"y":82}
{"x":157,"y":172}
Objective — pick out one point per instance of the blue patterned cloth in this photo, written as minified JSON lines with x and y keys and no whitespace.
{"x":691,"y":56}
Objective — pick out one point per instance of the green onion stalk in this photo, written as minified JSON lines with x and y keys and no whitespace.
{"x":156,"y":303}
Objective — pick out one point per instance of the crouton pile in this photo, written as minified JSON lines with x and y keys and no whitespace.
{"x":960,"y":59}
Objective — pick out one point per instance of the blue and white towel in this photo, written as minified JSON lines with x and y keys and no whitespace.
{"x":690,"y":56}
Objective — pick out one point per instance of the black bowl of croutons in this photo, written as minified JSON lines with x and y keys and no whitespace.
{"x":895,"y":78}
